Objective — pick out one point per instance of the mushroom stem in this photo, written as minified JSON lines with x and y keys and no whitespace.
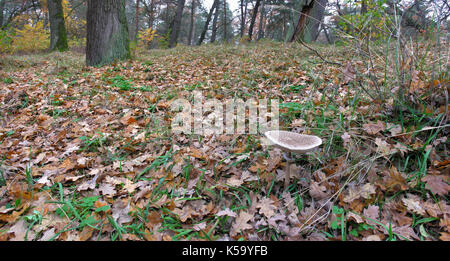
{"x":287,"y":169}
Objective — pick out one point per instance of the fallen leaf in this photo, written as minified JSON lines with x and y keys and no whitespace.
{"x":413,"y":205}
{"x":107,"y":189}
{"x":372,"y":238}
{"x":349,"y":73}
{"x":346,"y":137}
{"x":49,"y":234}
{"x":241,"y":223}
{"x":86,"y":233}
{"x":200,"y":226}
{"x":373,"y":128}
{"x":318,"y":191}
{"x":226,"y":212}
{"x":266,"y":207}
{"x":120,"y":211}
{"x":234,"y":182}
{"x":129,"y":186}
{"x":445,"y":236}
{"x":393,"y":180}
{"x":405,"y":231}
{"x":371,"y":212}
{"x":436,"y":184}
{"x":20,"y":231}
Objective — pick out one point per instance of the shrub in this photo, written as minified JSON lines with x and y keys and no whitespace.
{"x":30,"y":38}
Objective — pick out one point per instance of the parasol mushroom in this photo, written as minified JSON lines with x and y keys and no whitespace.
{"x":291,"y":142}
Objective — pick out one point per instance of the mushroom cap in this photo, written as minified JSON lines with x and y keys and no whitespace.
{"x":293,"y":142}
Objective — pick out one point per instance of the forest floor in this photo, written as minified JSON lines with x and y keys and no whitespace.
{"x":88,"y":153}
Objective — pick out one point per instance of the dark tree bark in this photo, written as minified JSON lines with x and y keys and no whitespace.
{"x":192,"y":22}
{"x":2,"y":7}
{"x":208,"y":19}
{"x":214,"y":25}
{"x":261,"y":21}
{"x":58,"y":37}
{"x":311,"y":16}
{"x":252,"y":22}
{"x":107,"y":32}
{"x":176,"y":24}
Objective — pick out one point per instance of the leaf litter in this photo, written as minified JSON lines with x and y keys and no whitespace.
{"x":99,"y":163}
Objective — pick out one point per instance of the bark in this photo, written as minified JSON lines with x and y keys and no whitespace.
{"x":107,"y":32}
{"x":208,"y":19}
{"x":252,"y":22}
{"x":58,"y":37}
{"x":224,"y":21}
{"x":192,"y":22}
{"x":136,"y":26}
{"x":214,"y":25}
{"x":261,"y":21}
{"x":2,"y":7}
{"x":307,"y":27}
{"x":176,"y":24}
{"x":150,"y":12}
{"x":243,"y":16}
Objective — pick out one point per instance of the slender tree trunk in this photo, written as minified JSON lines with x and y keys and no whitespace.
{"x":208,"y":19}
{"x":326,"y":35}
{"x":243,"y":16}
{"x":58,"y":37}
{"x":252,"y":22}
{"x":191,"y":26}
{"x":107,"y":32}
{"x":261,"y":21}
{"x":136,"y":26}
{"x":176,"y":24}
{"x":150,"y":12}
{"x":224,"y":21}
{"x":46,"y":20}
{"x":2,"y":7}
{"x":214,"y":25}
{"x":308,"y":22}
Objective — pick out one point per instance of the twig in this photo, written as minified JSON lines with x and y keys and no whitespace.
{"x":317,"y":53}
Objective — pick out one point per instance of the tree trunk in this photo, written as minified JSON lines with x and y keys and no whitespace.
{"x":214,"y":25}
{"x":191,"y":26}
{"x":243,"y":16}
{"x":2,"y":7}
{"x":252,"y":22}
{"x":107,"y":32}
{"x":136,"y":26}
{"x":150,"y":12}
{"x":208,"y":19}
{"x":224,"y":21}
{"x":58,"y":37}
{"x":261,"y":21}
{"x":308,"y":22}
{"x":176,"y":24}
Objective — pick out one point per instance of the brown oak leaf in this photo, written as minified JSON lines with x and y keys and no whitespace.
{"x":266,"y":207}
{"x":373,"y":128}
{"x":436,"y":184}
{"x":241,"y":223}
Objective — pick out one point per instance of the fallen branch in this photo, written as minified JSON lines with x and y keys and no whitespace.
{"x":317,"y":53}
